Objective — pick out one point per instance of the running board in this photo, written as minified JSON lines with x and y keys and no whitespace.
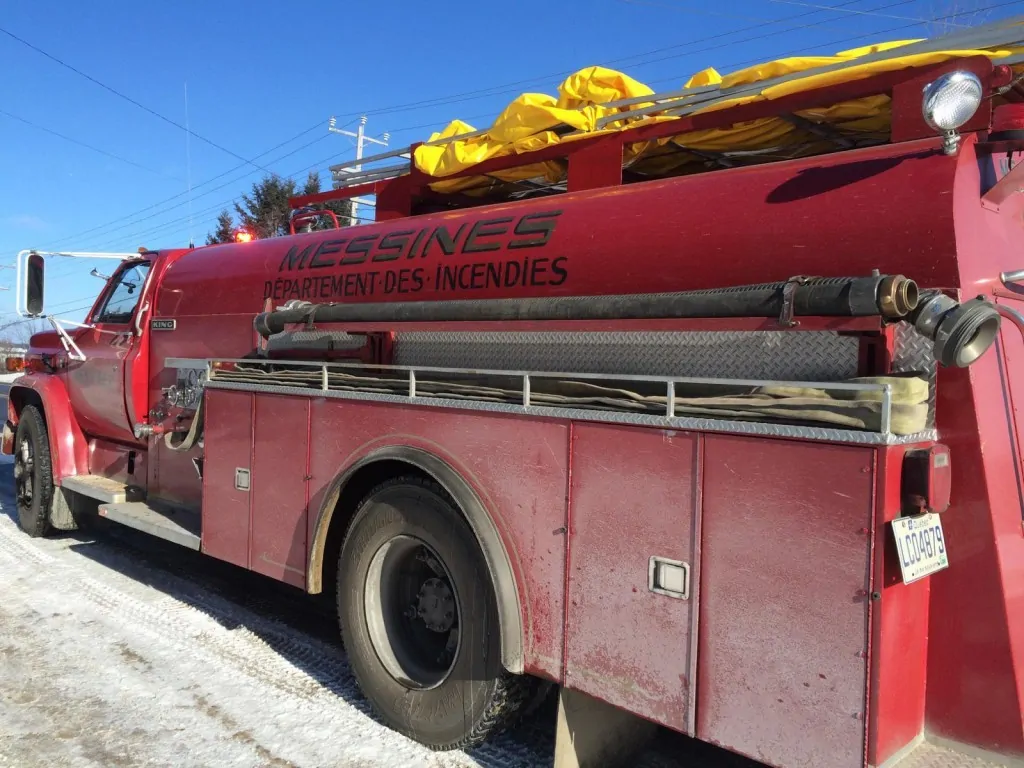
{"x":102,"y":488}
{"x":182,"y":526}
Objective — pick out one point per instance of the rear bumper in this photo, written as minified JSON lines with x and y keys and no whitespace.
{"x":7,"y":445}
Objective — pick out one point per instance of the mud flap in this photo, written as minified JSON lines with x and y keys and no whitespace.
{"x":62,"y":515}
{"x":592,"y":734}
{"x":7,"y":444}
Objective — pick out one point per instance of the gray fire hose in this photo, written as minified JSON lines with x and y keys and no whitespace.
{"x":889,"y":296}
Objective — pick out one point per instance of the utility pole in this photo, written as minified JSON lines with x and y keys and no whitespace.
{"x":361,"y":140}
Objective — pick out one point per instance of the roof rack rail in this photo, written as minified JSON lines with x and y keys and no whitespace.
{"x":665,"y":122}
{"x":685,"y":101}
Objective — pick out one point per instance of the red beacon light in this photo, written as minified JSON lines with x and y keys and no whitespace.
{"x":244,"y":236}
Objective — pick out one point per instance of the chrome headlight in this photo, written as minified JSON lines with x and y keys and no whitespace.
{"x":949,"y":102}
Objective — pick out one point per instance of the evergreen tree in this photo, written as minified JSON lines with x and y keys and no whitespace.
{"x":225,"y":231}
{"x":265,"y":212}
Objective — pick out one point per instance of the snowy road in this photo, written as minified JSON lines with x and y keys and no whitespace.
{"x":120,"y":650}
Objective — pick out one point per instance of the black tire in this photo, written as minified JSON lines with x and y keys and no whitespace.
{"x":33,"y":474}
{"x":402,"y":532}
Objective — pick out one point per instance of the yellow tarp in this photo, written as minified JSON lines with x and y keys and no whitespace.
{"x":529,"y":122}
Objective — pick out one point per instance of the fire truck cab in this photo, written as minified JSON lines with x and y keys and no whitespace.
{"x":706,"y":413}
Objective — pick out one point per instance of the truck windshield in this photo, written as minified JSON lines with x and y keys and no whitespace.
{"x":121,"y":302}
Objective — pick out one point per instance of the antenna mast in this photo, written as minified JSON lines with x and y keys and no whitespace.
{"x":188,"y":170}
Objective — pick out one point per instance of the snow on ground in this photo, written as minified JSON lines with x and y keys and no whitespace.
{"x":117,"y":649}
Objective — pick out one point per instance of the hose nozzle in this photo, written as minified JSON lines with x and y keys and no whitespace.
{"x":897,"y":296}
{"x":960,"y":333}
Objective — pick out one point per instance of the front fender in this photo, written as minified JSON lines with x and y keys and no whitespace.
{"x":69,"y":449}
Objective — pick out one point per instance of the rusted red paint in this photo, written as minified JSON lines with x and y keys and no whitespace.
{"x":279,"y":470}
{"x":171,"y":474}
{"x":796,"y":666}
{"x":226,"y":510}
{"x":517,"y":466}
{"x":899,"y":639}
{"x":633,"y":495}
{"x":976,"y":635}
{"x":68,"y":445}
{"x":783,"y":613}
{"x":975,"y":689}
{"x":812,"y":216}
{"x":113,"y":460}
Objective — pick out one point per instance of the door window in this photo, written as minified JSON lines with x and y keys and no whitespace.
{"x":124,"y":297}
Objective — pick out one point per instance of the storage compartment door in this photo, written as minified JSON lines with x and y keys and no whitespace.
{"x":632,"y":569}
{"x":227,"y":476}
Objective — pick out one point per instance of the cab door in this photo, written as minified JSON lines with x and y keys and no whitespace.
{"x":96,"y":385}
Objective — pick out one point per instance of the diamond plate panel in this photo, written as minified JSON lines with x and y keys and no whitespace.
{"x":933,"y":756}
{"x":913,"y":354}
{"x":315,"y":340}
{"x":779,"y":355}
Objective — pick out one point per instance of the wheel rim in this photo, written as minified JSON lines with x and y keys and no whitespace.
{"x":413,"y":613}
{"x":24,"y":473}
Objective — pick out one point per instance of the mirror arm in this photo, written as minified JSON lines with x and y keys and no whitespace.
{"x":74,"y":353}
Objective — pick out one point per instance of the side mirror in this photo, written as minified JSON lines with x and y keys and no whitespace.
{"x":34,"y":285}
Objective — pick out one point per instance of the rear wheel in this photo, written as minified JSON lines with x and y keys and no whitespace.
{"x":419,"y":619}
{"x":33,"y":476}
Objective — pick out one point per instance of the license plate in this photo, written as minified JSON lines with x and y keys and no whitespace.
{"x":921,"y":546}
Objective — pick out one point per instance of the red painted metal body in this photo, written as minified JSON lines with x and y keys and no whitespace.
{"x":68,"y":444}
{"x":798,"y":643}
{"x":795,"y":568}
{"x":814,"y":216}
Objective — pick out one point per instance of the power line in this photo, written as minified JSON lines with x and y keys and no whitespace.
{"x":83,"y":144}
{"x":833,"y":43}
{"x":438,"y":101}
{"x":847,"y":40}
{"x":68,"y":238}
{"x":467,"y":96}
{"x":158,"y":228}
{"x":854,"y":11}
{"x":498,"y":90}
{"x":217,"y":207}
{"x":689,"y":9}
{"x":799,"y":27}
{"x":162,"y":228}
{"x":776,"y":33}
{"x":129,"y":99}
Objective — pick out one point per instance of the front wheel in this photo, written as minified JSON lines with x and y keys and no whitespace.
{"x":33,"y":476}
{"x":419,"y":619}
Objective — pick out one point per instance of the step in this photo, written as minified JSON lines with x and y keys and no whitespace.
{"x":182,"y":526}
{"x":937,"y":753}
{"x":102,"y":488}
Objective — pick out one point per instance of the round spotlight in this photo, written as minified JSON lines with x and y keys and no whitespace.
{"x":951,"y":100}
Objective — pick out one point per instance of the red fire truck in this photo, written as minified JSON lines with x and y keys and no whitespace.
{"x":727,"y":441}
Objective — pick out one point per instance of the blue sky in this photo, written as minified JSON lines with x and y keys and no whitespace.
{"x":262,"y":74}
